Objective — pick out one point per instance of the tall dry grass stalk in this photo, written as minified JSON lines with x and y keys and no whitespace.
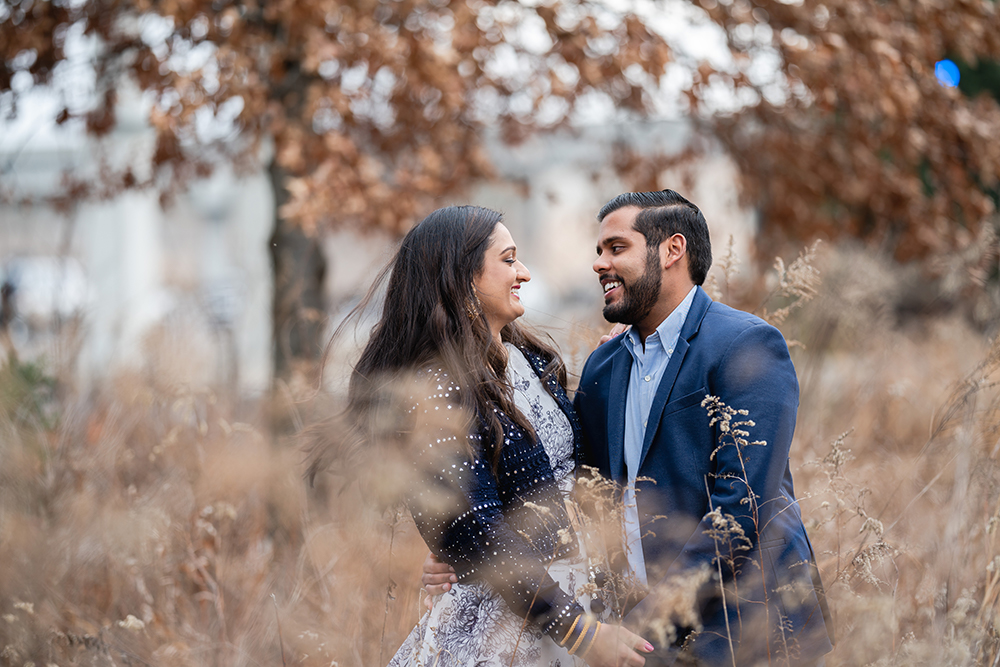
{"x":151,"y":524}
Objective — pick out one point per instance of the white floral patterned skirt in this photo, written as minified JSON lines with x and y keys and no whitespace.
{"x":472,"y":625}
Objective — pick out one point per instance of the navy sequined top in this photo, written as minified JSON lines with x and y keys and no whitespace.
{"x":503,"y":527}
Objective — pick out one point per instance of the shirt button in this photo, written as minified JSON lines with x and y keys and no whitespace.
{"x":646,"y":378}
{"x":670,"y":351}
{"x":644,"y":423}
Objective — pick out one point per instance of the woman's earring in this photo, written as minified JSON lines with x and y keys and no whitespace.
{"x":473,"y":309}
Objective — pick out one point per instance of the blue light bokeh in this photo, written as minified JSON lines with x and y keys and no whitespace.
{"x":947,"y":73}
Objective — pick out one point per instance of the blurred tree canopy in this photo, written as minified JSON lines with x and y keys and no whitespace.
{"x":376,"y":108}
{"x":851,"y":134}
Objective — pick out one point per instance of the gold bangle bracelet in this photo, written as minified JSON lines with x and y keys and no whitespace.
{"x":579,"y":640}
{"x":592,"y":641}
{"x":570,"y":631}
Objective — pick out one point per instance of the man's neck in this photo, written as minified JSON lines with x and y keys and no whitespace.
{"x":665,"y":305}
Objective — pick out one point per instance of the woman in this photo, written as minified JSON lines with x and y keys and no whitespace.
{"x":493,"y":436}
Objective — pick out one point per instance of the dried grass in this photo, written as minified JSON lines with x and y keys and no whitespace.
{"x":152,"y":524}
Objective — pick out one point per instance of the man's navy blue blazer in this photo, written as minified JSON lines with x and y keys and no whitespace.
{"x":776,"y":592}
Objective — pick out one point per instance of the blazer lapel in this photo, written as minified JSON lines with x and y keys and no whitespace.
{"x":617,"y":391}
{"x":699,"y":306}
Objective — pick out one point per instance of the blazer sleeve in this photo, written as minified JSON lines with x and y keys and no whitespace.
{"x":754,"y":374}
{"x":456,"y":507}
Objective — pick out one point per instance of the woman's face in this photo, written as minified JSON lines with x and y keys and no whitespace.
{"x":498,"y":283}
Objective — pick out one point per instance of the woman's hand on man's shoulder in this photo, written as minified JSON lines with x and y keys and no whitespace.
{"x":616,"y":331}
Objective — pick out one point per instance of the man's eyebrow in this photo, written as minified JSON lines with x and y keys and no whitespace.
{"x":609,"y":240}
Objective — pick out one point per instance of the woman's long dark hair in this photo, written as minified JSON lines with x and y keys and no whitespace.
{"x":431,"y":317}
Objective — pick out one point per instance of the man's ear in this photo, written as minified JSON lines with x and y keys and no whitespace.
{"x":672,"y":250}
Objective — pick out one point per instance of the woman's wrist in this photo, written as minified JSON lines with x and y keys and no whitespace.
{"x":576,"y":622}
{"x":581,"y":634}
{"x":588,"y":640}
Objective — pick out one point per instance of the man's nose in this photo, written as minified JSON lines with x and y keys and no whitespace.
{"x":601,"y":265}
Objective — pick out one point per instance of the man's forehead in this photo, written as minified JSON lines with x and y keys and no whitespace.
{"x":619,"y":223}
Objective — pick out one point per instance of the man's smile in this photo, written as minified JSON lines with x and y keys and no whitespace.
{"x":610,"y":286}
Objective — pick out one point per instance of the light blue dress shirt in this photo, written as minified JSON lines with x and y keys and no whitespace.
{"x":648,"y":364}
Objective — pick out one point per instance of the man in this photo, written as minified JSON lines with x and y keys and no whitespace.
{"x":698,"y":497}
{"x":707,"y":498}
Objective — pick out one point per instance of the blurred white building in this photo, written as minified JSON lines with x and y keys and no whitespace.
{"x":185,"y":292}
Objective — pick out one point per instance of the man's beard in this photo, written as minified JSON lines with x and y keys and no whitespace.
{"x":638,"y":298}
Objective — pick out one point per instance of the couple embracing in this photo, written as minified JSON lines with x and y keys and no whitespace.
{"x":498,"y":444}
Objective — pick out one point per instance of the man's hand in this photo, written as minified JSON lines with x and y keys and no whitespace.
{"x":616,"y":331}
{"x":614,"y":646}
{"x":437,"y":578}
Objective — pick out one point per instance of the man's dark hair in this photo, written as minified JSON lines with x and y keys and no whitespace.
{"x":664,"y":214}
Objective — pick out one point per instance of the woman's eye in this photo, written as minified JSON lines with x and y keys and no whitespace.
{"x":510,"y":260}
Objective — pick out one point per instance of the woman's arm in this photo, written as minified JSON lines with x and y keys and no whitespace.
{"x":456,"y":506}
